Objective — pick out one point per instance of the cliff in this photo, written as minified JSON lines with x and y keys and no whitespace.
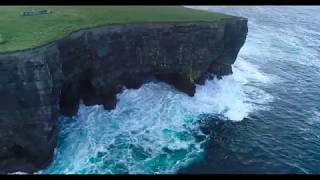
{"x":39,"y":84}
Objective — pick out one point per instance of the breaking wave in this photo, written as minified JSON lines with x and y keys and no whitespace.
{"x":154,"y":129}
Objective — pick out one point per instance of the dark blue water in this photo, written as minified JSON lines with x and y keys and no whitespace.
{"x":284,"y":42}
{"x":265,"y":118}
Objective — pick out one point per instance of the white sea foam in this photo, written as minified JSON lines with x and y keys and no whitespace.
{"x":148,"y":132}
{"x":18,"y":173}
{"x":315,"y":117}
{"x":154,"y":128}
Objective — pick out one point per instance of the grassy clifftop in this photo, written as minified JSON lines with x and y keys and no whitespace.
{"x":21,"y":32}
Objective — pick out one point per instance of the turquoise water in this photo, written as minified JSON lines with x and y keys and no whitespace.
{"x":154,"y":129}
{"x":262,"y":119}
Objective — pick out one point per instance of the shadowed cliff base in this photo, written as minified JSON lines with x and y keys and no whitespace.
{"x":38,"y":85}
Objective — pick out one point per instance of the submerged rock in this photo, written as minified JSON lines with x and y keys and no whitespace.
{"x":38,"y":84}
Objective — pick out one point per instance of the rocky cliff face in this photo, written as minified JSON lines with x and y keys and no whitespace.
{"x":36,"y":85}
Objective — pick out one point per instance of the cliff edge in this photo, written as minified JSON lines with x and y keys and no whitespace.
{"x":39,"y":84}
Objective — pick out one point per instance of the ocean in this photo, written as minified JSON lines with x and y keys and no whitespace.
{"x":262,"y":119}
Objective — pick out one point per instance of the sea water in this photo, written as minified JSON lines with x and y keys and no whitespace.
{"x":264,"y":118}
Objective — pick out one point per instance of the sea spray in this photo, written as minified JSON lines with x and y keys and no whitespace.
{"x":154,"y":129}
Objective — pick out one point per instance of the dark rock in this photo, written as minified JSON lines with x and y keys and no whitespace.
{"x":36,"y":85}
{"x":30,"y":84}
{"x":220,"y":69}
{"x":180,"y":82}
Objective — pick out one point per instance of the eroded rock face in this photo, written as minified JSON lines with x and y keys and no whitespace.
{"x":94,"y":65}
{"x":30,"y":84}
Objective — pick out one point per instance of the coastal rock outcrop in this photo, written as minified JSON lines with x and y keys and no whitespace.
{"x":39,"y":84}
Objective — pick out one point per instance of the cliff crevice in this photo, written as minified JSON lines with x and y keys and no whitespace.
{"x":39,"y":84}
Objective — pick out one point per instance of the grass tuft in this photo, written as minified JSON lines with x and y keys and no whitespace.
{"x":22,"y":32}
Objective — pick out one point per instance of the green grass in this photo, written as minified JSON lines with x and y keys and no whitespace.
{"x":21,"y":32}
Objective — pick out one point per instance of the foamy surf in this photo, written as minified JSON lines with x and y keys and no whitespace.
{"x":18,"y":173}
{"x":154,"y":129}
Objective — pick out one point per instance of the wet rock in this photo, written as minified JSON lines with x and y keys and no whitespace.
{"x":36,"y":85}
